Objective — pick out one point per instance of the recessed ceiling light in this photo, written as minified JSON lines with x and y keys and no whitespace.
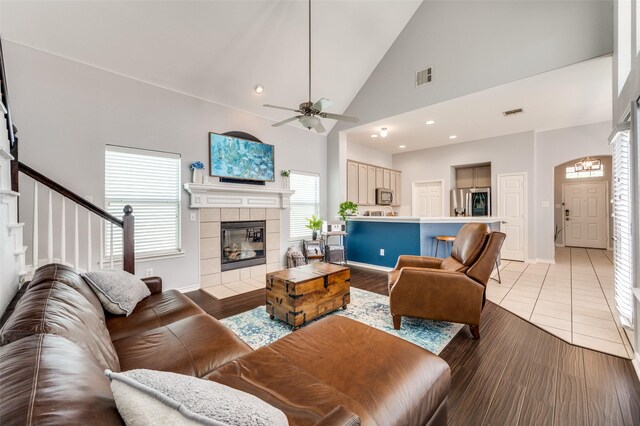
{"x":430,"y":122}
{"x":375,"y":135}
{"x":452,"y":137}
{"x":259,"y":88}
{"x":402,"y":146}
{"x":384,"y":132}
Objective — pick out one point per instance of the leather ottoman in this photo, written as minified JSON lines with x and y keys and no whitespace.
{"x":338,"y":361}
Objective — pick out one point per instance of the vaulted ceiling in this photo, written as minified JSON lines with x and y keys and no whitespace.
{"x":219,"y":50}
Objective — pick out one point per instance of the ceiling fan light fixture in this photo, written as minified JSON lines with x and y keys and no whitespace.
{"x":588,"y":164}
{"x":309,"y":121}
{"x":259,"y":89}
{"x":384,"y":132}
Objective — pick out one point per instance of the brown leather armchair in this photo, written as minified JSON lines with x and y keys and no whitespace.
{"x":451,"y":289}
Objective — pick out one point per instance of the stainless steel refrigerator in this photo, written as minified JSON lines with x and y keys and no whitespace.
{"x":471,"y":202}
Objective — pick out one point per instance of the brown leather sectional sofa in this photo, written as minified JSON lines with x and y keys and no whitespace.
{"x":58,"y":341}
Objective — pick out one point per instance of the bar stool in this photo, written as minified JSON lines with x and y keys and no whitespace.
{"x":449,"y":239}
{"x":445,"y":239}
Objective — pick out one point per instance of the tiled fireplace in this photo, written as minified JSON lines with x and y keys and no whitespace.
{"x":238,"y":246}
{"x":242,"y":244}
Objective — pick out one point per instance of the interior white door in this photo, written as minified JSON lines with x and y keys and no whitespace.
{"x":428,"y":199}
{"x":586,"y":222}
{"x":512,"y":204}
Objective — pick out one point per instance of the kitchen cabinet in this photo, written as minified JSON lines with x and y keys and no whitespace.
{"x":363,"y":179}
{"x":398,"y":189}
{"x":371,"y":185}
{"x":392,"y":183}
{"x":473,"y":177}
{"x":379,"y":178}
{"x":362,"y":184}
{"x":352,"y":181}
{"x":464,"y":177}
{"x":482,"y":176}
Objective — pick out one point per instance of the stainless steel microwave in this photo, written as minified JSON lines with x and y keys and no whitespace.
{"x":384,"y":196}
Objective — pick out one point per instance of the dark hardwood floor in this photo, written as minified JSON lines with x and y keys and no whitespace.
{"x":516,"y":374}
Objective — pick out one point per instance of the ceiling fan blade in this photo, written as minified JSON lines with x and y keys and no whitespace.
{"x":288,"y":120}
{"x":322,"y":104}
{"x":279,"y":107}
{"x":338,"y":117}
{"x":319,"y":128}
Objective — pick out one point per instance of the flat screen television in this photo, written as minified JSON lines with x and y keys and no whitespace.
{"x":237,"y":158}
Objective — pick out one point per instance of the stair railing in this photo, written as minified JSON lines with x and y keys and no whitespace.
{"x":127,"y":224}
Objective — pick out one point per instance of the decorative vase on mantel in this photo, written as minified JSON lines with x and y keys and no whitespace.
{"x":198,"y":176}
{"x":197,"y":169}
{"x":285,"y":178}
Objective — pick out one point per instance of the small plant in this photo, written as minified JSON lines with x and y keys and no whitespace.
{"x":314,"y":224}
{"x":197,"y":165}
{"x":285,"y":173}
{"x":347,"y":208}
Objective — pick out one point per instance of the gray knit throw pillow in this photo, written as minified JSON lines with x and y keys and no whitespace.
{"x":148,"y":397}
{"x":118,"y":291}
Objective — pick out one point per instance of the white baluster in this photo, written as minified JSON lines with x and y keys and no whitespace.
{"x":101,"y":221}
{"x":76,"y":244}
{"x":63,"y":234}
{"x":111,"y":244}
{"x":34,"y":248}
{"x":50,"y":229}
{"x":88,"y":241}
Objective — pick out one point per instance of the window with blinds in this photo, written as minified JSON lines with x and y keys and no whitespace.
{"x":304,"y":202}
{"x":149,"y":181}
{"x":622,"y":231}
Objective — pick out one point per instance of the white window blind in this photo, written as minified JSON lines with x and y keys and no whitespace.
{"x":304,"y":203}
{"x":149,"y":181}
{"x":622,"y":231}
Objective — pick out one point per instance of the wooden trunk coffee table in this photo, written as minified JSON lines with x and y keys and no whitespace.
{"x":299,"y":295}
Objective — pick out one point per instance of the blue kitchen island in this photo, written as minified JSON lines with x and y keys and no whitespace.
{"x":379,"y":241}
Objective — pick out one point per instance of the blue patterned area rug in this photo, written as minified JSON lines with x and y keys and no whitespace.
{"x":255,"y":327}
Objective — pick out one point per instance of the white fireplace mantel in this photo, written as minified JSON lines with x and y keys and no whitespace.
{"x":203,"y":195}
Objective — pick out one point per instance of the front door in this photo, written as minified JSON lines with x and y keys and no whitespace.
{"x":428,"y":199}
{"x":511,"y":210}
{"x":586,"y":223}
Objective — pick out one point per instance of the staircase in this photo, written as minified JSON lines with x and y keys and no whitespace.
{"x":15,"y":268}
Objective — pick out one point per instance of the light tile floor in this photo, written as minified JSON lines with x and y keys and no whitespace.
{"x":222,"y":291}
{"x":572,"y":299}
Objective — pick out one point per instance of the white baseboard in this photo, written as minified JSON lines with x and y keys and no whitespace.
{"x":370,"y":266}
{"x":560,"y":245}
{"x":188,"y":288}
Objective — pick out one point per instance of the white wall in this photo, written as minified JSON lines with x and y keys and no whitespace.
{"x":551,"y":149}
{"x":368,"y":155}
{"x":507,"y":154}
{"x":474,"y":45}
{"x":67,"y":111}
{"x":630,"y":90}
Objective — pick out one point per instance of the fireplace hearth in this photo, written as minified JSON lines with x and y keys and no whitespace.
{"x":242,"y":244}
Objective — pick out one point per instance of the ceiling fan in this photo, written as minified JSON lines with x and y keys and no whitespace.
{"x":310,"y":111}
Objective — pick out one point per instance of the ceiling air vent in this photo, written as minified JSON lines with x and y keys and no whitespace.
{"x":423,"y":77}
{"x":512,"y":112}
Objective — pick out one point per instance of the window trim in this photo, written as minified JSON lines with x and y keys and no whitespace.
{"x":154,"y":255}
{"x":291,"y":204}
